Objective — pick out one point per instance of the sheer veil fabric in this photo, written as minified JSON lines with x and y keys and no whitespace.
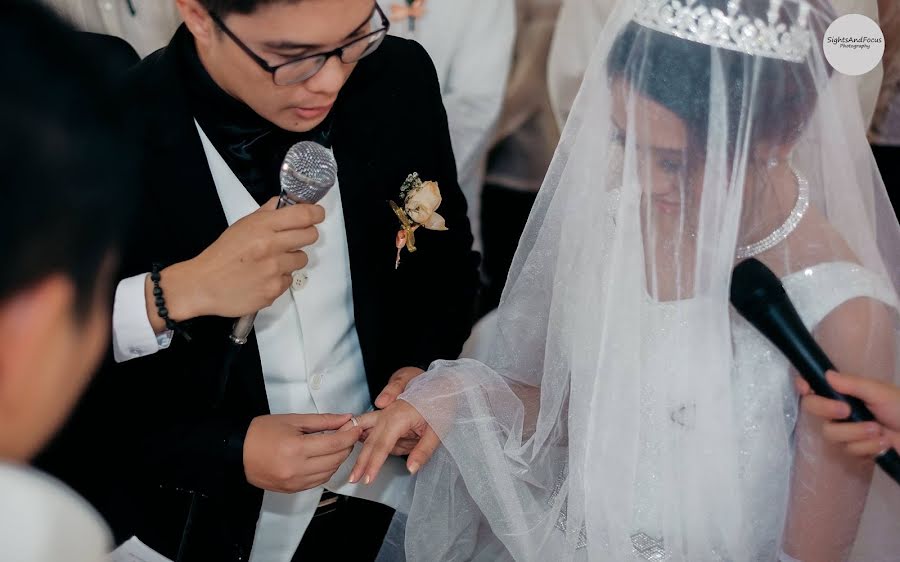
{"x":624,"y":411}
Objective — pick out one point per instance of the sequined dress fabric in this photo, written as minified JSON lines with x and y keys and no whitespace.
{"x":765,"y":408}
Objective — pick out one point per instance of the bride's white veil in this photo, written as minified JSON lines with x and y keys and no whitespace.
{"x":624,"y":411}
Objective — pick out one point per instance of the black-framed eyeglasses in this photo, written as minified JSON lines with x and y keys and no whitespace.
{"x":305,"y":67}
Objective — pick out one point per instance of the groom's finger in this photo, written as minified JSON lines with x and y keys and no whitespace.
{"x":314,"y":423}
{"x":422,"y":452}
{"x":396,"y":386}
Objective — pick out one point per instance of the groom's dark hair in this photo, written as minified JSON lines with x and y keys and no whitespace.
{"x":225,"y":7}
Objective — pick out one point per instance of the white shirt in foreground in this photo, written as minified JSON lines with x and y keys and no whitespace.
{"x":41,"y":520}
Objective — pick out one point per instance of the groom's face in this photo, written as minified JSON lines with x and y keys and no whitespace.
{"x":279,"y":32}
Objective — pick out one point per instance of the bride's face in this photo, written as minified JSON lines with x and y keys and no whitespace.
{"x":660,"y":141}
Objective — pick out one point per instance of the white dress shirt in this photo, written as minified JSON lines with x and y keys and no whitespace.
{"x":148,"y":27}
{"x":41,"y":520}
{"x":471,"y":43}
{"x":309,"y":351}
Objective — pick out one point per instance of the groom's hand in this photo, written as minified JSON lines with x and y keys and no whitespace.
{"x":288,"y":453}
{"x":396,"y":386}
{"x":245,"y":270}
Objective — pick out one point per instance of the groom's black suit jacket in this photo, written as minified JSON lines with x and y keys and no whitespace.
{"x":146,"y":438}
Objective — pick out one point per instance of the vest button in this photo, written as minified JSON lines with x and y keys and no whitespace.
{"x":299,"y":279}
{"x":315,"y":381}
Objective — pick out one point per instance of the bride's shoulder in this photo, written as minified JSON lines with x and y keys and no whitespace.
{"x":817,"y":241}
{"x":828,"y":281}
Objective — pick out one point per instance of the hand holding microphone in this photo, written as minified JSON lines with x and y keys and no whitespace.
{"x":865,"y":439}
{"x":757,"y":294}
{"x":249,"y":266}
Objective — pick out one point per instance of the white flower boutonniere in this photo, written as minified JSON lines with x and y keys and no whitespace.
{"x":420,"y":202}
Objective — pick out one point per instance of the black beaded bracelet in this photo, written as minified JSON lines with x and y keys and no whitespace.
{"x":161,"y":304}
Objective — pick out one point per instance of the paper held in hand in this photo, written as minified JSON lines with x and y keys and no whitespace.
{"x":133,"y":550}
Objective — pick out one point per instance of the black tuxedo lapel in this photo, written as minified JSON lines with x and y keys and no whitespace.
{"x":178,"y":176}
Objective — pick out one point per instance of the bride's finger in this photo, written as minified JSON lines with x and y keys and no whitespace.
{"x":422,"y":452}
{"x":362,"y":462}
{"x":379,"y":438}
{"x":382,"y":444}
{"x":368,"y":420}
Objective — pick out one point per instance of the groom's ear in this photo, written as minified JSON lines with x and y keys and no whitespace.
{"x":196,"y":18}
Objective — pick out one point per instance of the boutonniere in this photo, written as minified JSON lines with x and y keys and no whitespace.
{"x":420,"y":201}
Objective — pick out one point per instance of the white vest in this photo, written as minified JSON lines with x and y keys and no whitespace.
{"x":311,"y":363}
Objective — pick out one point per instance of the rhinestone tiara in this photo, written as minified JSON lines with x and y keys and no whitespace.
{"x":730,"y":29}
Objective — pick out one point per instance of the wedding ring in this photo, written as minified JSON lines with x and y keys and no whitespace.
{"x":354,"y":421}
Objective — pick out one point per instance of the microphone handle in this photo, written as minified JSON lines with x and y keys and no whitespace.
{"x":889,"y":461}
{"x":242,"y":326}
{"x":241,"y":330}
{"x":784,"y":328}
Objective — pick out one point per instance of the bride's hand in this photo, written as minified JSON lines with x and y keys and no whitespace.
{"x":385,"y":432}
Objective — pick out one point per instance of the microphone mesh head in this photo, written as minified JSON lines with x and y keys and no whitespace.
{"x":308,"y":172}
{"x":752,"y":283}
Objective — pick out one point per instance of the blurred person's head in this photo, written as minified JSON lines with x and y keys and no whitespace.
{"x":64,"y":163}
{"x":241,"y":41}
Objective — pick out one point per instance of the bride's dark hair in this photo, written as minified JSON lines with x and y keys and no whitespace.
{"x":676,"y":73}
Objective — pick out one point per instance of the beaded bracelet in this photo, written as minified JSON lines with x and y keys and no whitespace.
{"x":161,"y":304}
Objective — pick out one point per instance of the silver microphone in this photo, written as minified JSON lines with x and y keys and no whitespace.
{"x":307,"y":173}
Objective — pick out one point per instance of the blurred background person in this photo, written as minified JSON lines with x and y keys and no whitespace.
{"x":470,"y":42}
{"x":66,"y":198}
{"x":524,"y":142}
{"x":147,"y":25}
{"x":884,"y":133}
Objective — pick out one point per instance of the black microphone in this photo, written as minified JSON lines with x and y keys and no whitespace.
{"x":757,"y":294}
{"x":307,"y":173}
